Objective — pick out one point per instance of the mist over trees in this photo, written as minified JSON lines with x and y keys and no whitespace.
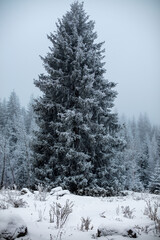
{"x":137,"y":167}
{"x":141,"y":157}
{"x":16,"y":125}
{"x":70,"y":136}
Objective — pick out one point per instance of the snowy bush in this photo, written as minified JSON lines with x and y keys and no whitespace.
{"x":17,"y":202}
{"x":59,"y":214}
{"x":12,"y":197}
{"x":3,"y":205}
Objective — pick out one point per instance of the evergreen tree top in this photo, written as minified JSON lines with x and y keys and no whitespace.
{"x":75,"y":22}
{"x":75,"y":58}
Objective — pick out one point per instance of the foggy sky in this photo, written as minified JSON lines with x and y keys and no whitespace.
{"x":130,"y":29}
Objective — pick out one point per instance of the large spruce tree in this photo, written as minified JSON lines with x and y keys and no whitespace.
{"x":77,"y":137}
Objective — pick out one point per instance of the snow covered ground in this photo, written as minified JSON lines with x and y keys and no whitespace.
{"x":113,"y":216}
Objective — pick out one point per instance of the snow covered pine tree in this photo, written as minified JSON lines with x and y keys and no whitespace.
{"x":77,"y":137}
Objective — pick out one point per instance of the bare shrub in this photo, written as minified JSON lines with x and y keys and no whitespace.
{"x":144,"y":229}
{"x":85,"y":223}
{"x":59,"y":214}
{"x":58,"y":236}
{"x":3,"y":205}
{"x":151,"y":210}
{"x":18,"y":202}
{"x":127,"y":212}
{"x":12,"y":197}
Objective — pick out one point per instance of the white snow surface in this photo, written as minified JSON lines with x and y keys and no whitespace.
{"x":10,"y":219}
{"x":56,"y":189}
{"x":59,"y":192}
{"x":104,"y":213}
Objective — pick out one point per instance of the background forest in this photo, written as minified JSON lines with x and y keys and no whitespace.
{"x":138,"y":165}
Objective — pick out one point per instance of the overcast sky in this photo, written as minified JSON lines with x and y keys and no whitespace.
{"x":130,"y":29}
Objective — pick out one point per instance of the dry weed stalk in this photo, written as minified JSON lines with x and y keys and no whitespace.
{"x":152,"y":212}
{"x":85,"y":223}
{"x":60,"y":213}
{"x":127,"y":212}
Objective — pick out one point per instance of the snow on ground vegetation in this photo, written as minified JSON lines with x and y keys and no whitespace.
{"x":59,"y":215}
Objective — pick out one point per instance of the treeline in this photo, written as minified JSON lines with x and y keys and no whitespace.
{"x":136,"y":168}
{"x":16,"y":131}
{"x":141,"y":157}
